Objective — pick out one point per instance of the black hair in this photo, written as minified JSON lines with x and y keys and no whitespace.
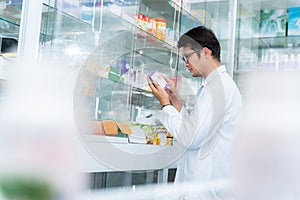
{"x":200,"y":37}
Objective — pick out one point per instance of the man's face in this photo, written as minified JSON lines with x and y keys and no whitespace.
{"x":192,"y":61}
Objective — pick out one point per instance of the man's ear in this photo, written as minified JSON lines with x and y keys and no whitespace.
{"x":207,"y":51}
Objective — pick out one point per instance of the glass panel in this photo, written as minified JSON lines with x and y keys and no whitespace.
{"x":267,"y":37}
{"x":10,"y":11}
{"x":115,"y":46}
{"x":10,"y":14}
{"x":161,"y":20}
{"x":214,"y":15}
{"x":211,"y":14}
{"x":114,"y":53}
{"x":193,"y":14}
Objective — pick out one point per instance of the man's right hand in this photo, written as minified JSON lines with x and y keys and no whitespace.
{"x":173,"y":94}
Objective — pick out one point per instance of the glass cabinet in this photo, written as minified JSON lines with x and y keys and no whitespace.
{"x":267,"y":38}
{"x":114,"y":45}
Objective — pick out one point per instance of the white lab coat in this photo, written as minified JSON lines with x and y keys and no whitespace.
{"x":208,"y":131}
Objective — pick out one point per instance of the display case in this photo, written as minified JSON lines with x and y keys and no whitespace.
{"x":267,"y":36}
{"x":114,"y":45}
{"x":113,"y":104}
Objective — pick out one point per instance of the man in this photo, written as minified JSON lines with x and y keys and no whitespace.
{"x":207,"y":132}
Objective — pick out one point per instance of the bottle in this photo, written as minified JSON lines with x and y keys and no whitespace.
{"x":161,"y":26}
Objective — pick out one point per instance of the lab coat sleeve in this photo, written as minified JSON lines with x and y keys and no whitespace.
{"x":188,"y":128}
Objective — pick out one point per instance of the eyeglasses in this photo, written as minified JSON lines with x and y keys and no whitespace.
{"x":185,"y":58}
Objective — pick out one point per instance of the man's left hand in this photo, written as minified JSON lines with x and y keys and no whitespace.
{"x":159,"y":92}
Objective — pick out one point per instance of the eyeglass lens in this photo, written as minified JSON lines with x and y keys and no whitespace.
{"x":185,"y":57}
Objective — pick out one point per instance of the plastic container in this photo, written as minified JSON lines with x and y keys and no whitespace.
{"x":86,"y":13}
{"x":161,"y":26}
{"x":162,"y":135}
{"x":139,"y":21}
{"x":146,"y":21}
{"x":150,"y":26}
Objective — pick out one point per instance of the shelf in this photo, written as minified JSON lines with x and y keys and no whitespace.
{"x":139,"y":97}
{"x":117,"y":11}
{"x":167,"y":9}
{"x":133,"y":147}
{"x":158,"y":9}
{"x":123,"y":144}
{"x":185,"y":12}
{"x":117,"y":18}
{"x":126,"y":157}
{"x":11,"y":14}
{"x":73,"y":25}
{"x":145,"y":60}
{"x":102,"y":138}
{"x":110,"y":90}
{"x":271,"y":42}
{"x":12,"y":57}
{"x":136,"y":90}
{"x":10,"y":20}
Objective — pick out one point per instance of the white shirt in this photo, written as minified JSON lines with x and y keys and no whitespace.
{"x":208,"y":131}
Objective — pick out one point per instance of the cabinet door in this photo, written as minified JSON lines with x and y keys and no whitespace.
{"x":115,"y":46}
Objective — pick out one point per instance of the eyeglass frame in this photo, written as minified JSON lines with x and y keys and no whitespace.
{"x":185,"y":58}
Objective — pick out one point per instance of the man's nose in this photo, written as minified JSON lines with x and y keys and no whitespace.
{"x":186,"y":64}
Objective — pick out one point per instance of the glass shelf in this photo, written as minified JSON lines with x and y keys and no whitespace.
{"x":140,"y":97}
{"x":11,"y":13}
{"x":71,"y":26}
{"x":117,"y":18}
{"x":128,"y":95}
{"x":111,"y":14}
{"x":173,"y":13}
{"x":117,"y":11}
{"x":121,"y":42}
{"x":186,"y":13}
{"x":271,"y":42}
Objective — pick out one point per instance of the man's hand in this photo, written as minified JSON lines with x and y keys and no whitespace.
{"x":158,"y":92}
{"x":173,"y":94}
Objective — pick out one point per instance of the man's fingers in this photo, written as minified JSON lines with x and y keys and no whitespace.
{"x":157,"y":86}
{"x":150,"y":84}
{"x":153,"y":85}
{"x":164,"y":77}
{"x":167,"y":79}
{"x":169,"y":93}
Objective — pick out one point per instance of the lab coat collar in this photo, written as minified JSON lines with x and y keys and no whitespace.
{"x":213,"y":74}
{"x":221,"y":68}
